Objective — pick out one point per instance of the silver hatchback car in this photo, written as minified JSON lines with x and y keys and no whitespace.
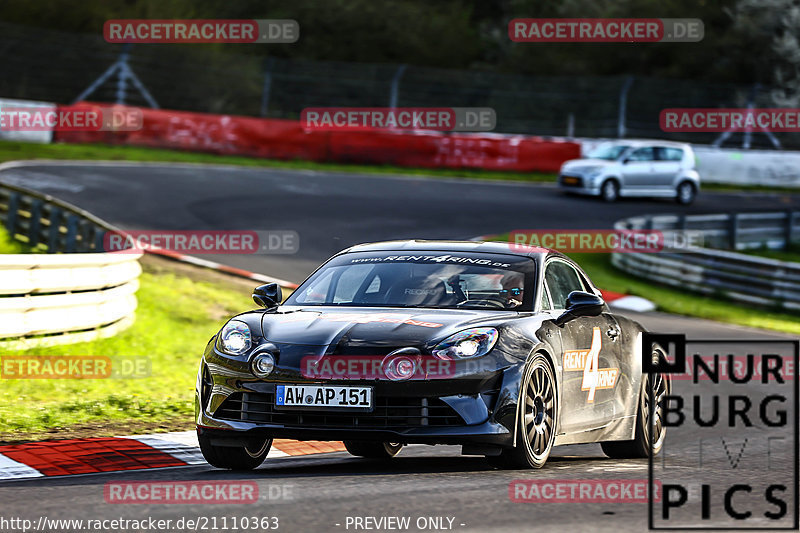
{"x":634,"y":168}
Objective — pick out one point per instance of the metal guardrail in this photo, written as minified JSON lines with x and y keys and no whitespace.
{"x":729,"y":231}
{"x":75,"y":296}
{"x":49,"y":223}
{"x":725,"y":273}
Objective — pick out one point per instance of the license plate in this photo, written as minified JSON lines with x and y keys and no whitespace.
{"x":570,"y":180}
{"x":323,"y":396}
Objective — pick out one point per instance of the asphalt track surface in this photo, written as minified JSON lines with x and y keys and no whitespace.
{"x":331,"y":211}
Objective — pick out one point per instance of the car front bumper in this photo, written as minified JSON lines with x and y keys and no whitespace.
{"x":402,"y":412}
{"x":577,"y":184}
{"x":474,"y":407}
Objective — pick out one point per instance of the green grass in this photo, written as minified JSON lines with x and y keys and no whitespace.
{"x":792,"y":254}
{"x":670,"y":300}
{"x":176,"y":316}
{"x":15,"y":151}
{"x":9,"y":245}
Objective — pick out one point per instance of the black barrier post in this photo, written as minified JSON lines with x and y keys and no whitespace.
{"x":13,"y":210}
{"x":733,"y":230}
{"x":36,"y":223}
{"x":55,"y":230}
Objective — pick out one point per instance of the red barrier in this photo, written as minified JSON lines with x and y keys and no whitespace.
{"x":286,"y":139}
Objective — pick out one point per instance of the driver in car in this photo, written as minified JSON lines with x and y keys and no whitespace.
{"x":512,"y":291}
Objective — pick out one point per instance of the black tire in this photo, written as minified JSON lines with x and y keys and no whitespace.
{"x":609,"y":191}
{"x":536,"y":427}
{"x":373,"y":450}
{"x":245,"y":457}
{"x":640,"y":447}
{"x":685,"y":193}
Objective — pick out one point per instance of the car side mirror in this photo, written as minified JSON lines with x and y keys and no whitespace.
{"x":579,"y":304}
{"x":268,"y":295}
{"x":625,"y":160}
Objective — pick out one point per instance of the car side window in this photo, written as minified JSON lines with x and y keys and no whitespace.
{"x":561,"y":279}
{"x":671,"y":154}
{"x":545,"y":300}
{"x":642,"y":154}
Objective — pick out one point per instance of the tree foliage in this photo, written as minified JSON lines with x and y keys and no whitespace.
{"x":745,"y":41}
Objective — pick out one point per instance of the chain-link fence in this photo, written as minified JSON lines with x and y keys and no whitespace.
{"x":56,"y":66}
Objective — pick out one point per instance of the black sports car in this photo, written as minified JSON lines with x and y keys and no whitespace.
{"x":507,"y":351}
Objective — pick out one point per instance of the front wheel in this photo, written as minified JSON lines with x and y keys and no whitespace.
{"x":610,"y":191}
{"x":246,"y":457}
{"x":536,"y":428}
{"x":373,"y":450}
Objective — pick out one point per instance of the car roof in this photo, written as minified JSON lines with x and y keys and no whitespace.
{"x":418,"y":245}
{"x":646,"y":142}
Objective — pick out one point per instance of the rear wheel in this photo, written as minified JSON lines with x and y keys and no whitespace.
{"x":536,"y":429}
{"x":373,"y":450}
{"x":246,"y":457}
{"x":685,"y":193}
{"x":640,"y":445}
{"x":610,"y":191}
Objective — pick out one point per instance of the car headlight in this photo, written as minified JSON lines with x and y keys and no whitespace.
{"x":235,"y":338}
{"x":466,"y":344}
{"x":592,"y":174}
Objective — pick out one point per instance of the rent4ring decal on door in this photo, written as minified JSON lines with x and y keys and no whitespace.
{"x":587,"y":360}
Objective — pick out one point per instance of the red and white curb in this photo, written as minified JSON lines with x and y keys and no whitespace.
{"x":220,"y":267}
{"x":627,"y":302}
{"x":113,"y":454}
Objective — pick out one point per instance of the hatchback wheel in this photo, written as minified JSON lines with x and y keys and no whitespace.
{"x":686,"y":193}
{"x":610,"y":191}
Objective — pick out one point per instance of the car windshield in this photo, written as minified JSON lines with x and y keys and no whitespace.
{"x":437,"y":280}
{"x":608,"y":151}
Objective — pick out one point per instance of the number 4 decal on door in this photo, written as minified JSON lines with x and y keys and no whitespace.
{"x":587,"y":360}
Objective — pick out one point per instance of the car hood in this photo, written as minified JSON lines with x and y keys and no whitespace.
{"x":582,"y":165}
{"x":373,"y":327}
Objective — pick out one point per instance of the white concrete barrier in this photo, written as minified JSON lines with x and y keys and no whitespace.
{"x":55,"y":294}
{"x":7,"y":134}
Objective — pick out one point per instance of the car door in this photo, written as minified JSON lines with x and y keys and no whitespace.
{"x":589,"y":355}
{"x":637,"y":169}
{"x":667,"y":166}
